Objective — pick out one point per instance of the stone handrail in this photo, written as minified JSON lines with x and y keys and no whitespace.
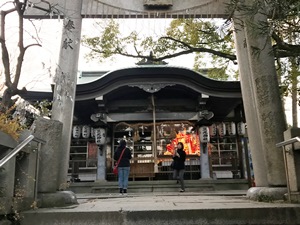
{"x":288,"y":142}
{"x":288,"y":150}
{"x":16,"y":150}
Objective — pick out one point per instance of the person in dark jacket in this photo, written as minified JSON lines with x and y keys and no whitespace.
{"x":124,"y":165}
{"x":179,"y":165}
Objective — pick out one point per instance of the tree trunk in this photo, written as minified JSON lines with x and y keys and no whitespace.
{"x":294,"y":80}
{"x":7,"y":102}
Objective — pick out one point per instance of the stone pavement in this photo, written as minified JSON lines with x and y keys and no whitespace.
{"x":217,"y":207}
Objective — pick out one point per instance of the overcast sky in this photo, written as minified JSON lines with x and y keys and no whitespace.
{"x":40,"y":62}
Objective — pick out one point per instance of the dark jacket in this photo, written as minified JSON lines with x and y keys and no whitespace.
{"x":125,"y":160}
{"x":179,"y":161}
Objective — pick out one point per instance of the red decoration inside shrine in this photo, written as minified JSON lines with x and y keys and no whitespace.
{"x":190,"y":142}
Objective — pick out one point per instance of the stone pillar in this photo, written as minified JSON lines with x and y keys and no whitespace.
{"x":7,"y":175}
{"x":265,"y":89}
{"x":65,"y":81}
{"x":101,"y":165}
{"x":7,"y":172}
{"x":204,"y":161}
{"x":249,"y":100}
{"x":26,"y":171}
{"x":292,"y":157}
{"x":204,"y":157}
{"x":50,"y":131}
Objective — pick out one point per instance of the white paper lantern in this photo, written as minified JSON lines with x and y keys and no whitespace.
{"x":222,"y":129}
{"x":204,"y":134}
{"x":86,"y":130}
{"x":100,"y":136}
{"x":92,"y":132}
{"x":213,"y":130}
{"x":76,"y":131}
{"x":231,"y":129}
{"x":241,"y":128}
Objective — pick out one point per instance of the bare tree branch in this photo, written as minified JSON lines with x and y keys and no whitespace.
{"x":5,"y":55}
{"x":12,"y":86}
{"x":195,"y":49}
{"x":283,"y":49}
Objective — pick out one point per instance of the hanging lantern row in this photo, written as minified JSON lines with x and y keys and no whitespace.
{"x":207,"y":132}
{"x":229,"y":128}
{"x":87,"y":132}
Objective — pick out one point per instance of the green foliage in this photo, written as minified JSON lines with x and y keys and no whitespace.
{"x":44,"y":107}
{"x":282,"y":26}
{"x":183,"y":36}
{"x":22,"y":115}
{"x":10,"y":125}
{"x":109,"y":40}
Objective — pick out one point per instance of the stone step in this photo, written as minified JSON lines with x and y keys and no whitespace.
{"x":160,"y":186}
{"x":159,"y":209}
{"x":153,"y":188}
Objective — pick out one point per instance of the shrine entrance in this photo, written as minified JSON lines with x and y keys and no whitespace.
{"x":153,"y":108}
{"x":257,"y":71}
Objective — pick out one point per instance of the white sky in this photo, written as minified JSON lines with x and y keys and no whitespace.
{"x":40,"y":62}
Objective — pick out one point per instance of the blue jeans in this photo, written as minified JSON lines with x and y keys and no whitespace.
{"x":123,"y":175}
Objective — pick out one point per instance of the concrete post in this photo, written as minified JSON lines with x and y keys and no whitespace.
{"x":204,"y":162}
{"x":26,"y":171}
{"x":65,"y":81}
{"x":7,"y":175}
{"x":204,"y":157}
{"x":7,"y":172}
{"x":269,"y":106}
{"x":49,"y":131}
{"x":292,"y":161}
{"x":101,"y":165}
{"x":249,"y":101}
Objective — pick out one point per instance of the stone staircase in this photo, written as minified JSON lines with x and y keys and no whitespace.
{"x":160,"y":186}
{"x":211,"y":202}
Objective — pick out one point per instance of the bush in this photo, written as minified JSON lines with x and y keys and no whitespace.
{"x":10,"y":125}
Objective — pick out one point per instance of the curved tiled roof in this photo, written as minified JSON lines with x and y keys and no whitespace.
{"x":120,"y":91}
{"x":158,"y":74}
